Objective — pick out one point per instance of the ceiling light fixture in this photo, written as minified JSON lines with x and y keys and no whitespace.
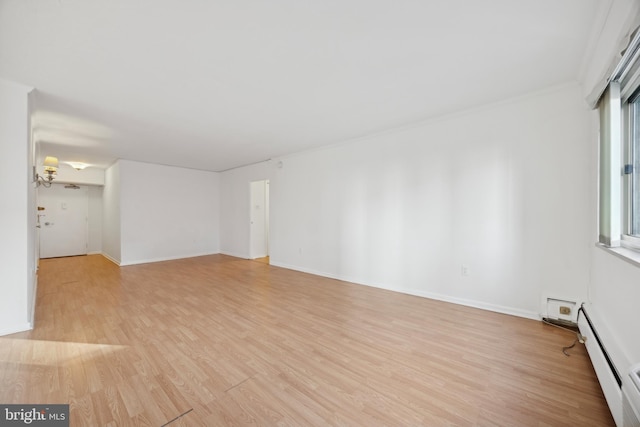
{"x":50,"y":169}
{"x":77,"y":165}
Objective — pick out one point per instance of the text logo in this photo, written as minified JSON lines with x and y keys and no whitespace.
{"x":34,"y":415}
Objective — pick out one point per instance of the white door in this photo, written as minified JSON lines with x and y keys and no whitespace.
{"x":259,"y":217}
{"x":63,"y":222}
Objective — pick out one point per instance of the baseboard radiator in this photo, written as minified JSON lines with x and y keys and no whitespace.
{"x":622,"y":392}
{"x":631,"y":398}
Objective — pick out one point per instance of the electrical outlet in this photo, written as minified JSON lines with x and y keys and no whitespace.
{"x":565,"y":310}
{"x":464,"y":270}
{"x":561,"y":309}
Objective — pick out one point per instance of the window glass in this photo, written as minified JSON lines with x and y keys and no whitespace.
{"x":635,"y":168}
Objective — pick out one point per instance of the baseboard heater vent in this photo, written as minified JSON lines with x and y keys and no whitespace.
{"x":631,"y":398}
{"x":614,"y":371}
{"x":608,"y":376}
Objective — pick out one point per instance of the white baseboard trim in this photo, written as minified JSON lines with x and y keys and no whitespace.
{"x":113,"y":260}
{"x":235,"y":255}
{"x":32,"y":320}
{"x":420,"y":293}
{"x":533,"y":315}
{"x":172,"y":258}
{"x":16,"y":328}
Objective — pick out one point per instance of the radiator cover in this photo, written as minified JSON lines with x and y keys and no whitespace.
{"x":631,"y":398}
{"x":610,"y":380}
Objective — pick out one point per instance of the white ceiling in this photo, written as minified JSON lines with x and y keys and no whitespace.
{"x":218,"y":84}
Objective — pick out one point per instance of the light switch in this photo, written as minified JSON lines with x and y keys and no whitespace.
{"x":63,"y":205}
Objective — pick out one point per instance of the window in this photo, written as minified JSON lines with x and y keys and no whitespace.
{"x":632,"y":167}
{"x":631,"y":171}
{"x":619,"y":196}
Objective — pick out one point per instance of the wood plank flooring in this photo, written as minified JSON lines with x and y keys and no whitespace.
{"x":217,"y":340}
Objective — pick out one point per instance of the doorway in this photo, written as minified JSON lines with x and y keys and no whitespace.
{"x":63,"y":221}
{"x":259,"y":220}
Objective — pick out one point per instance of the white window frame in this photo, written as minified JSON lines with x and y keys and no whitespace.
{"x":630,"y":99}
{"x":616,"y":151}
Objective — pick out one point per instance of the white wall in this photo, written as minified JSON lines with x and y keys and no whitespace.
{"x":111,"y":234}
{"x":167,"y":212}
{"x":501,"y":190}
{"x":17,"y":211}
{"x":33,"y":243}
{"x":615,"y":292}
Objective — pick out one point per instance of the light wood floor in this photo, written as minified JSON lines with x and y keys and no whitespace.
{"x":226,"y":341}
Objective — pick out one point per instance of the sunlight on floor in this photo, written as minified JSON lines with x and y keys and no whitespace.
{"x":50,"y":353}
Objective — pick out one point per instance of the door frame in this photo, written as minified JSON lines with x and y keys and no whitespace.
{"x":63,"y":187}
{"x":266,"y":204}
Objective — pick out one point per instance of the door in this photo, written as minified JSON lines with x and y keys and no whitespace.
{"x":259,"y":218}
{"x":63,"y":221}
